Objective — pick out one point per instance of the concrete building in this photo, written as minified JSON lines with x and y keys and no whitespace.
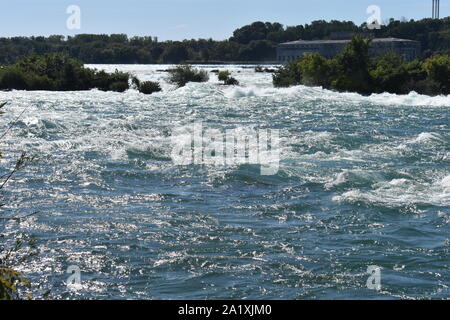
{"x":291,"y":51}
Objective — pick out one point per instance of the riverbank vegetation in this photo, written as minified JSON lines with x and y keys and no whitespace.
{"x":354,"y":71}
{"x":255,"y":42}
{"x":57,"y":72}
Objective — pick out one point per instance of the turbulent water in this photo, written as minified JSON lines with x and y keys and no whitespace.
{"x":362,"y":181}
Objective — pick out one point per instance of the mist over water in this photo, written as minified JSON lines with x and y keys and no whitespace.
{"x":363,"y":181}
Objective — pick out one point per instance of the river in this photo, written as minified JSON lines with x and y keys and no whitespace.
{"x":362,"y":181}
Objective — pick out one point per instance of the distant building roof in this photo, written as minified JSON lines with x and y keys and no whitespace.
{"x":343,"y":41}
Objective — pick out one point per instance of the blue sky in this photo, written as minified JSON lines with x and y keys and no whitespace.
{"x":186,"y":19}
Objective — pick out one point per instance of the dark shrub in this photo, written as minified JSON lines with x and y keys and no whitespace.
{"x":224,"y":75}
{"x":227,"y":79}
{"x":186,"y":73}
{"x":136,"y":82}
{"x":101,"y":81}
{"x":426,"y":86}
{"x":149,"y":87}
{"x":231,"y":82}
{"x":40,"y":83}
{"x":259,"y":69}
{"x":13,"y":78}
{"x":286,"y":76}
{"x":106,"y":82}
{"x":119,"y":86}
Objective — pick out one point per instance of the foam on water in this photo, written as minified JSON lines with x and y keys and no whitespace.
{"x":446,"y":182}
{"x":363,"y":180}
{"x":425,"y":137}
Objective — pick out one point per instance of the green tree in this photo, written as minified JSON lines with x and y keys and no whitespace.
{"x":438,"y":70}
{"x":350,"y":68}
{"x":389,"y":73}
{"x":315,"y":70}
{"x":288,"y":75}
{"x":255,"y":31}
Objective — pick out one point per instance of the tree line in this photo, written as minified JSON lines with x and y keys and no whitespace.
{"x":255,"y":42}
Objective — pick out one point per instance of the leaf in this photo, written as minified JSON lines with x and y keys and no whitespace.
{"x":3,"y":104}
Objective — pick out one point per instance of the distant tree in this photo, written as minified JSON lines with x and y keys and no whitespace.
{"x":156,"y":53}
{"x":225,"y":50}
{"x":255,"y":31}
{"x":433,"y":34}
{"x":261,"y":50}
{"x":175,"y":53}
{"x":119,"y":38}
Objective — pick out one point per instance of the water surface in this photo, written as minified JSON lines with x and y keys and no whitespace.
{"x":362,"y":181}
